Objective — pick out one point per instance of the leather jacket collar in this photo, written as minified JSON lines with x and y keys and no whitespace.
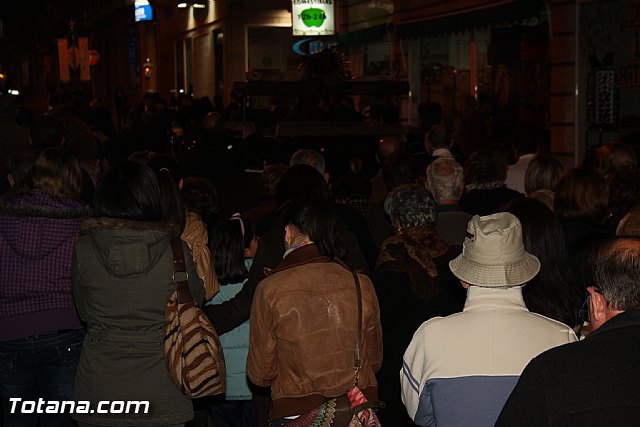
{"x":304,"y":255}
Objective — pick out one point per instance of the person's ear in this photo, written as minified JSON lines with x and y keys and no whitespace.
{"x":289,"y":234}
{"x":597,"y":308}
{"x":11,"y":180}
{"x":464,"y":284}
{"x":180,"y":184}
{"x":326,"y":177}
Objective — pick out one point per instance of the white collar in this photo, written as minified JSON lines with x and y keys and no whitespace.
{"x":529,"y":156}
{"x":495,"y":297}
{"x":441,"y":152}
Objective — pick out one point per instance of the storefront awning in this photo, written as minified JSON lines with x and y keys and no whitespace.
{"x":502,"y":14}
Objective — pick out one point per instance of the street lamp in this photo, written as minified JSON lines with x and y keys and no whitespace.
{"x":147,"y":68}
{"x":198,"y":4}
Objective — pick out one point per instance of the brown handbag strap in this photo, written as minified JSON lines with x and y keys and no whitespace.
{"x":358,"y":360}
{"x":180,"y":275}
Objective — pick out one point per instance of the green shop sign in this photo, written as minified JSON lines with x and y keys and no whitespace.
{"x":312,"y":17}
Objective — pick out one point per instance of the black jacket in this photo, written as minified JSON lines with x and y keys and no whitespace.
{"x":594,"y":382}
{"x":408,"y":296}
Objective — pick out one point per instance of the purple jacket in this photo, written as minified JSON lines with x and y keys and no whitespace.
{"x":37,"y":237}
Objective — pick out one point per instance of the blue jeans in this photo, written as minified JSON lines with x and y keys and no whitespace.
{"x":38,"y":367}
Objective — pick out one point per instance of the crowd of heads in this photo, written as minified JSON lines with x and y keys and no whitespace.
{"x":145,"y":180}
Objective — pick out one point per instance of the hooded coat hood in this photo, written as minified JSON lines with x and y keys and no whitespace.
{"x":122,"y":249}
{"x":31,"y":224}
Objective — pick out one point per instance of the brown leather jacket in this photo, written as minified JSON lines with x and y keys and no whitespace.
{"x":196,"y":236}
{"x":303,"y":323}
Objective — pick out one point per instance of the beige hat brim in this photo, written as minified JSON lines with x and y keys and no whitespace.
{"x":477,"y":274}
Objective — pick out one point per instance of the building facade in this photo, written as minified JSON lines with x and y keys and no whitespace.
{"x":568,"y":67}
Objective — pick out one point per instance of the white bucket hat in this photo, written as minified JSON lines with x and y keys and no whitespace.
{"x":493,"y":254}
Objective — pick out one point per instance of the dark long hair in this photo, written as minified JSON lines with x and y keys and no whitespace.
{"x":554,"y":292}
{"x":129,"y":191}
{"x":168,"y":175}
{"x":582,"y":194}
{"x":318,"y":219}
{"x":227,"y":246}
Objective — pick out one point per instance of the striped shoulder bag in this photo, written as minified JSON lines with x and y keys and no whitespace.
{"x":192,"y":350}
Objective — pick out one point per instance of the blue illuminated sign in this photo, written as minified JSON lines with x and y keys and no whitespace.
{"x":143,"y":11}
{"x":309,"y":46}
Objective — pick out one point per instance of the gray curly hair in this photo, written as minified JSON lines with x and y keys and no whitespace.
{"x":445,"y":177}
{"x":410,"y":205}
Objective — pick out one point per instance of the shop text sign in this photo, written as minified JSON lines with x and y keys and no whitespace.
{"x":313,"y":17}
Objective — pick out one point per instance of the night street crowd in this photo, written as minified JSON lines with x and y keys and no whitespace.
{"x":487,"y":282}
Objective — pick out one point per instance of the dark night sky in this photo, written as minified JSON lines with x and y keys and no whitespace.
{"x":40,"y":20}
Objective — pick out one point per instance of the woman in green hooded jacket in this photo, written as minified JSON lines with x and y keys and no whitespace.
{"x":122,"y":278}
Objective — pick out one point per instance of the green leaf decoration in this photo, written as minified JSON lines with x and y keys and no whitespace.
{"x":313,"y":17}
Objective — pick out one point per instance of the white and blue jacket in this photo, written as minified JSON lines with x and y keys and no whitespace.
{"x":235,"y":345}
{"x":459,"y":370}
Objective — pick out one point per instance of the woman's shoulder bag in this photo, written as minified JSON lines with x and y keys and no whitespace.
{"x":192,"y":350}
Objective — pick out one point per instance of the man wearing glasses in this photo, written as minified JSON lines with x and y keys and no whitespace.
{"x":595,"y":382}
